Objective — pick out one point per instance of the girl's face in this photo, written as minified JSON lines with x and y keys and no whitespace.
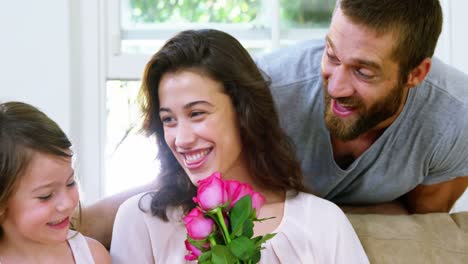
{"x":40,"y":208}
{"x":200,"y":125}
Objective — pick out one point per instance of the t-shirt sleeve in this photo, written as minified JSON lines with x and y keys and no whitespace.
{"x":450,"y":158}
{"x":130,"y":237}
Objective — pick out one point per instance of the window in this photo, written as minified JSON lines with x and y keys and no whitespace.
{"x":138,"y":28}
{"x":130,"y":155}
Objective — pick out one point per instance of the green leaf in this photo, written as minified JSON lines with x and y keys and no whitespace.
{"x":222,"y":255}
{"x":242,"y":247}
{"x":247,"y":229}
{"x":265,"y":238}
{"x":256,"y":257}
{"x":239,"y":213}
{"x":197,"y":243}
{"x":262,"y":219}
{"x":205,"y":257}
{"x":256,"y":239}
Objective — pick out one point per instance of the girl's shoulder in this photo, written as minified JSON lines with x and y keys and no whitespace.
{"x":86,"y":249}
{"x":99,"y":252}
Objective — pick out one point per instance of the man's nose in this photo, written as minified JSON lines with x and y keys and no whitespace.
{"x":339,"y":84}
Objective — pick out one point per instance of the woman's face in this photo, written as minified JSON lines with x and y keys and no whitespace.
{"x":200,"y":125}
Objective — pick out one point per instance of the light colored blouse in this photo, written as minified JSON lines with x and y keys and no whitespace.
{"x":80,"y":249}
{"x":312,"y":230}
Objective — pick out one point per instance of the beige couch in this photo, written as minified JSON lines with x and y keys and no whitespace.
{"x":428,"y":238}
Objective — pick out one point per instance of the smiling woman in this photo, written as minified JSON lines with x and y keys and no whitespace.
{"x":191,"y":118}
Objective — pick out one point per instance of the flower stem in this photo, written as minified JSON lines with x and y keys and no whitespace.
{"x":212,"y":241}
{"x":219,"y":214}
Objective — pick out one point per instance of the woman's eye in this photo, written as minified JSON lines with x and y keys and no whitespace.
{"x":196,"y":113}
{"x":167,"y":119}
{"x":45,"y":197}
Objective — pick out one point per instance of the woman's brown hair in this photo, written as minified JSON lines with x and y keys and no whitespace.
{"x":268,"y":151}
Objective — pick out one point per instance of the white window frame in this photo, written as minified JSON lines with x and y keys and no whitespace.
{"x":118,"y":63}
{"x":97,"y":42}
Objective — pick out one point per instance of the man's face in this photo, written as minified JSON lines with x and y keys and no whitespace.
{"x":361,"y":81}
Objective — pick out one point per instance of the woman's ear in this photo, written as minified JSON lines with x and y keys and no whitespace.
{"x":417,"y":75}
{"x":2,"y":214}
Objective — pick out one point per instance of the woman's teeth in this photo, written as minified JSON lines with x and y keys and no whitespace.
{"x":197,"y":156}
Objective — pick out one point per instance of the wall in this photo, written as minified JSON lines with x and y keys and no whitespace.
{"x":35,"y":56}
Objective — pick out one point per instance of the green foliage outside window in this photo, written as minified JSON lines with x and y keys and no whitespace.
{"x":202,"y":11}
{"x":293,"y":12}
{"x":306,"y":12}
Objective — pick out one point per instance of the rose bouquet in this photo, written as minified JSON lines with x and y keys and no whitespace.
{"x":220,"y":228}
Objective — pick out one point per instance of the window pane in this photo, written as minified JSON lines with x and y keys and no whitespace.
{"x":146,"y":25}
{"x":190,"y":11}
{"x":130,"y":155}
{"x":306,"y":13}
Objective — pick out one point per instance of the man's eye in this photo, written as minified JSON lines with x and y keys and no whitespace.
{"x":364,"y":74}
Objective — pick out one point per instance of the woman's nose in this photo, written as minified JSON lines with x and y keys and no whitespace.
{"x":185,"y":136}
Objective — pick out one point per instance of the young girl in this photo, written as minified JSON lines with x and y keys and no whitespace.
{"x":211,"y":110}
{"x":38,"y":192}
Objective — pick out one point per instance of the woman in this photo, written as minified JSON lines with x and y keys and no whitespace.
{"x":211,"y":110}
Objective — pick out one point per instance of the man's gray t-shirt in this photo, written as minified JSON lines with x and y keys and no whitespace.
{"x":427,"y":143}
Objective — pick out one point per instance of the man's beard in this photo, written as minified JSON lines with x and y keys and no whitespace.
{"x":367,"y":118}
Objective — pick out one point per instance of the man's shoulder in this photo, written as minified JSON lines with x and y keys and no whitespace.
{"x":292,"y":64}
{"x":448,"y":81}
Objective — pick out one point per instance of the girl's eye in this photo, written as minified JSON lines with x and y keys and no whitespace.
{"x":45,"y":197}
{"x":332,"y":58}
{"x":71,"y":184}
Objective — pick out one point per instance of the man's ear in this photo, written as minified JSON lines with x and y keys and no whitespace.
{"x":417,"y":75}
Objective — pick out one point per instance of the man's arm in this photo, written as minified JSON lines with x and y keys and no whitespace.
{"x":97,"y":220}
{"x":438,"y":197}
{"x":422,"y":199}
{"x":390,"y":208}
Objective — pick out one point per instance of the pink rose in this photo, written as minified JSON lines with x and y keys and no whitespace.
{"x":211,"y":193}
{"x":236,"y":191}
{"x":198,"y":226}
{"x":194,"y":251}
{"x":258,"y":200}
{"x":231,"y":187}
